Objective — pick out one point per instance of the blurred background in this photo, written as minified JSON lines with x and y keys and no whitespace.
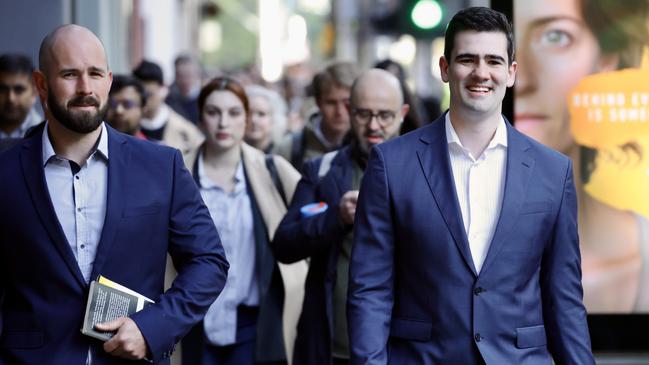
{"x":281,"y":44}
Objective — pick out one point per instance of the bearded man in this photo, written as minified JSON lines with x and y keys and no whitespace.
{"x":86,"y":201}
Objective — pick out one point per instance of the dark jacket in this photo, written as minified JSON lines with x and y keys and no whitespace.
{"x":319,"y":238}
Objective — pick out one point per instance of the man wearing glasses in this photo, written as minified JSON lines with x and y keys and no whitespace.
{"x":320,"y":219}
{"x":125,"y":105}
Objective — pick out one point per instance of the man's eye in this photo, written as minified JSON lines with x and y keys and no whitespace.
{"x":385,"y":115}
{"x":364,"y":114}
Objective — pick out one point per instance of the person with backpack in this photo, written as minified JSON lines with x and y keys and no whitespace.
{"x":327,"y":128}
{"x":320,"y":219}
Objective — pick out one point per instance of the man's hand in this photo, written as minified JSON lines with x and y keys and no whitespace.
{"x":348,"y":206}
{"x":128,"y":342}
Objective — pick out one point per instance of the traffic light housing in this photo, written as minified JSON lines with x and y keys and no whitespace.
{"x":424,"y":19}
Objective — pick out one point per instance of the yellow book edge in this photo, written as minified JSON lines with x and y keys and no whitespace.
{"x":141,"y":298}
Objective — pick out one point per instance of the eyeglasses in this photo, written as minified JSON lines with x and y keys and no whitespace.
{"x":365,"y":116}
{"x":126,"y":104}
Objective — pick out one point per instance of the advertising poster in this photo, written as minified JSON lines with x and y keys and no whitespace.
{"x":582,"y":88}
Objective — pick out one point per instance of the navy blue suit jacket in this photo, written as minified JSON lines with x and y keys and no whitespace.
{"x":153,"y":207}
{"x":319,"y":238}
{"x":414,"y":295}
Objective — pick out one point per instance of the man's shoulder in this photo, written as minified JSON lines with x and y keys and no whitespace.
{"x":140,"y":147}
{"x":10,"y":155}
{"x":334,"y":158}
{"x":541,"y":152}
{"x":408,"y":142}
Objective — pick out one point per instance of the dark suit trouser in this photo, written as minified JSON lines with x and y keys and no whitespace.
{"x":242,"y":352}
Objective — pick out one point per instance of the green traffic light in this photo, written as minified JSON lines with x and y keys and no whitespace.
{"x":426,"y":14}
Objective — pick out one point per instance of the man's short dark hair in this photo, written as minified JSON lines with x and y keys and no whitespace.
{"x":480,"y":19}
{"x":149,"y":71}
{"x":16,"y":64}
{"x":341,"y":74}
{"x":184,"y":58}
{"x":123,"y":81}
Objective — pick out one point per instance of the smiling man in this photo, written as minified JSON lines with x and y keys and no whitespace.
{"x":88,"y":201}
{"x":465,"y":239}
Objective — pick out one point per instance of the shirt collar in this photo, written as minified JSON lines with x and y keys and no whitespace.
{"x":499,"y":138}
{"x":158,"y":121}
{"x":206,"y":183}
{"x":101,"y":146}
{"x":319,"y":135}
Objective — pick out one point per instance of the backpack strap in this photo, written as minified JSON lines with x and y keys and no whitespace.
{"x":298,"y":146}
{"x":325,"y":164}
{"x":274,"y":175}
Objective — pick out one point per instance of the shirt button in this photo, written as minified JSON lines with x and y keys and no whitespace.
{"x":76,"y":177}
{"x":82,"y":246}
{"x":478,"y":337}
{"x":79,"y":210}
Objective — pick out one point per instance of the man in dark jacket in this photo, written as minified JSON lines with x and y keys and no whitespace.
{"x":325,"y":234}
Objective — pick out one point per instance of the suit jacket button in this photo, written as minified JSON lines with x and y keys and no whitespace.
{"x":478,"y":290}
{"x":478,"y":337}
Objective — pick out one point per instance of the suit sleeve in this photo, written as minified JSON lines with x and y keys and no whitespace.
{"x":371,"y":272}
{"x":300,"y":237}
{"x":198,"y":255}
{"x":563,"y":310}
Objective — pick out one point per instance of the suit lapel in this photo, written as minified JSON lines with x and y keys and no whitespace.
{"x":519,"y":168}
{"x":31,"y":159}
{"x":434,"y":159}
{"x":118,"y":157}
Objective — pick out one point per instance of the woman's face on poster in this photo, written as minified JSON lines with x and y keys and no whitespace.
{"x":554,"y":50}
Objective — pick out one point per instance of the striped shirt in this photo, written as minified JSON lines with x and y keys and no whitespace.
{"x":479,"y":184}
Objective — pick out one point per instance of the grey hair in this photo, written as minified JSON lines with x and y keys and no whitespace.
{"x":277,"y":105}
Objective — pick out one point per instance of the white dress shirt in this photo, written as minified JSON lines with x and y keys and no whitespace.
{"x":479,"y":184}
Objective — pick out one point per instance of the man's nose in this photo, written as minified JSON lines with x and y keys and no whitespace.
{"x":481,"y":71}
{"x":83,"y":85}
{"x":12,"y":96}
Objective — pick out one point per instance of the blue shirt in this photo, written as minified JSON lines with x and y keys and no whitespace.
{"x":232,"y":216}
{"x":79,"y":198}
{"x":78,"y":194}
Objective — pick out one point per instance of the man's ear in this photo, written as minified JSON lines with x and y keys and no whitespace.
{"x":404,"y":110}
{"x":443,"y":68}
{"x":41,"y":84}
{"x":511,"y":74}
{"x":164,"y":91}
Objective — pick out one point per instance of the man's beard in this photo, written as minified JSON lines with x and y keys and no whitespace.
{"x":82,"y":122}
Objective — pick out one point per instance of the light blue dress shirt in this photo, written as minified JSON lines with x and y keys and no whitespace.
{"x":232,"y":216}
{"x":79,"y":200}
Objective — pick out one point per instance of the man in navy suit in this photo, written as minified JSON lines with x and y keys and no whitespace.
{"x":84,"y":200}
{"x":376,"y":109}
{"x":465,"y":241}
